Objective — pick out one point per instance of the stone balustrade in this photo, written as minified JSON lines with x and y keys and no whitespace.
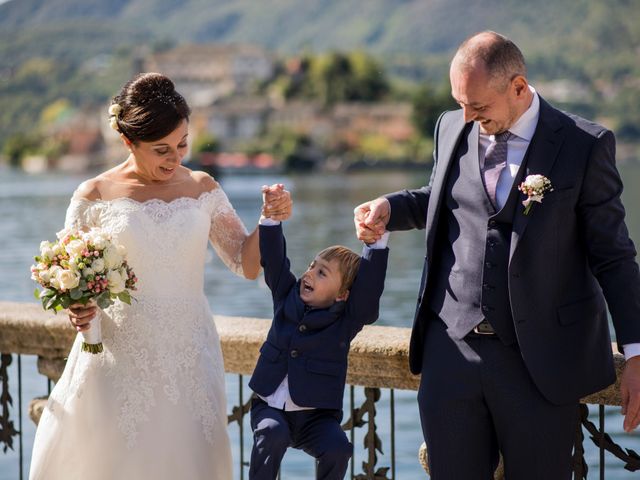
{"x":379,"y":356}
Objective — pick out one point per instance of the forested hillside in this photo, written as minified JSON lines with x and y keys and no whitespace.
{"x":81,"y":50}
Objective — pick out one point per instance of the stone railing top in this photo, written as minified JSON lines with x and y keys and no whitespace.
{"x":379,"y":356}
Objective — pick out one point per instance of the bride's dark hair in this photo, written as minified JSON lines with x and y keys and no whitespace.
{"x":150,"y":108}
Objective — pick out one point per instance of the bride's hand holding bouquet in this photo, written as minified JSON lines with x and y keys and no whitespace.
{"x":83,"y":269}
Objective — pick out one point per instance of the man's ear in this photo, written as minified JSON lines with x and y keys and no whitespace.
{"x":343,"y":296}
{"x":520,"y":85}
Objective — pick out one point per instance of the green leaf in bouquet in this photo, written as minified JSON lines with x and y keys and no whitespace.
{"x":75,"y":293}
{"x":36,"y":294}
{"x":48,"y":293}
{"x":57,"y":308}
{"x":124,"y":297}
{"x":82,"y":285}
{"x":66,"y":301}
{"x":104,"y":300}
{"x":50,"y":303}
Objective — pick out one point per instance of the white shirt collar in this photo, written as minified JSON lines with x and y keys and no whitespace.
{"x":526,"y":125}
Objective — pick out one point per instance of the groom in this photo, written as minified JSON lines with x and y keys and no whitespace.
{"x":511,"y":323}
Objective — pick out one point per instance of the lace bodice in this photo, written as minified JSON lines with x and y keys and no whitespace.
{"x":167,"y":240}
{"x":164,"y":346}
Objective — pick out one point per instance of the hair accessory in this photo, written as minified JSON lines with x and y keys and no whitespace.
{"x":114,"y":113}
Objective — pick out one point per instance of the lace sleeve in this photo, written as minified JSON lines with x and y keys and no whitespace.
{"x":227,"y":233}
{"x":81,"y":215}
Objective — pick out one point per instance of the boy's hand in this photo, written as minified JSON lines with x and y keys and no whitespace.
{"x":276,"y":202}
{"x":371,"y":219}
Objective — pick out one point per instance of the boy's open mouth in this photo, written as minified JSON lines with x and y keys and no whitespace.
{"x":306,"y":287}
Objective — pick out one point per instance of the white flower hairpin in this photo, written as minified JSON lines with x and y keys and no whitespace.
{"x":114,"y":114}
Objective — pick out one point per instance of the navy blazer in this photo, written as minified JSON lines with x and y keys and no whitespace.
{"x":312,"y":346}
{"x":568,"y":255}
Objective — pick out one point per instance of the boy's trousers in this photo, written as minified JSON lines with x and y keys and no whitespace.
{"x":317,"y":432}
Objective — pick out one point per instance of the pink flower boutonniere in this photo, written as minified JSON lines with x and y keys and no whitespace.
{"x":534,"y":187}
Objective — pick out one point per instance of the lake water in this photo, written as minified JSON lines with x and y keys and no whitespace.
{"x":32,"y":208}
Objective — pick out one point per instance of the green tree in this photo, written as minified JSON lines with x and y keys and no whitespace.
{"x":18,"y":146}
{"x":205,"y":143}
{"x":428,"y":103}
{"x":369,"y":78}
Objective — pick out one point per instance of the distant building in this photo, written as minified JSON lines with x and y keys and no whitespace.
{"x":391,"y":120}
{"x":233,"y":119}
{"x":205,"y":73}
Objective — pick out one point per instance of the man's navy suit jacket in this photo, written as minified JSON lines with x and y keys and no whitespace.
{"x":568,"y":256}
{"x":312,"y":345}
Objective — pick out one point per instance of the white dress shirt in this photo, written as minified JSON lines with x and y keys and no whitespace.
{"x":521,"y":134}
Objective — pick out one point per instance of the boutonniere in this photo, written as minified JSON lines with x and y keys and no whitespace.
{"x":534,"y":187}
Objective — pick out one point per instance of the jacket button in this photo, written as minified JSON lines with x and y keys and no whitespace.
{"x":492,"y":223}
{"x":488,"y":264}
{"x":302,"y":328}
{"x":294,"y":353}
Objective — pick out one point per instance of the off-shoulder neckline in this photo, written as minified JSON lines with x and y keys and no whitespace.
{"x":100,"y":201}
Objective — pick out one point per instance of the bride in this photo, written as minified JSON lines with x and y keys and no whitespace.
{"x":152,"y":405}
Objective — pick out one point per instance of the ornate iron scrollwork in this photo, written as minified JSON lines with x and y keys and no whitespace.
{"x":238,"y":412}
{"x":372,"y":442}
{"x":7,"y":429}
{"x":602,"y":439}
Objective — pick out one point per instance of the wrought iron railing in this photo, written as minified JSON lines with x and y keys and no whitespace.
{"x":378,"y":363}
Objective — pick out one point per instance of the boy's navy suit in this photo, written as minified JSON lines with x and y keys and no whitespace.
{"x":311,"y":346}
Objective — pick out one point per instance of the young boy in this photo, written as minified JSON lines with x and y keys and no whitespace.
{"x":300,"y":375}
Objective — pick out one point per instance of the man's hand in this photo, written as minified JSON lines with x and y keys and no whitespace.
{"x":630,"y":392}
{"x":81,"y":315}
{"x":371,"y":219}
{"x":277,"y":203}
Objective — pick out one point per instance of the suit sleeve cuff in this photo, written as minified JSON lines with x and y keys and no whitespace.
{"x":631,"y":350}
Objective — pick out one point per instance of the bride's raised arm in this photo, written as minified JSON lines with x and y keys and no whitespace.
{"x":230,"y":238}
{"x":237,"y":248}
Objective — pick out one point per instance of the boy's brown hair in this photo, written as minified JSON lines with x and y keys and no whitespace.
{"x":347,"y":259}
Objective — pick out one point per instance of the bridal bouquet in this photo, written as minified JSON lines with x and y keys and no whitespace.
{"x":81,"y":267}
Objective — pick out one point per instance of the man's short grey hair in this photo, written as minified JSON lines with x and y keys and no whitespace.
{"x":501,"y":57}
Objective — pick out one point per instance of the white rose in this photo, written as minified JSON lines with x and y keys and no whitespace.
{"x":115,"y":281}
{"x":536,"y":182}
{"x":97,"y":239}
{"x":47,"y":253}
{"x":68,"y":279}
{"x":58,"y":249}
{"x":53,"y":277}
{"x":45,"y":250}
{"x":75,"y":248}
{"x":44,"y":276}
{"x":88,"y":272}
{"x":112,"y":257}
{"x":97,"y":265}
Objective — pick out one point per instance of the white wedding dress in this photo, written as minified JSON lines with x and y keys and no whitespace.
{"x":153,"y":404}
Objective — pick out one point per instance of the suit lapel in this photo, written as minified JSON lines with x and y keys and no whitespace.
{"x":450,"y":135}
{"x":540,"y":158}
